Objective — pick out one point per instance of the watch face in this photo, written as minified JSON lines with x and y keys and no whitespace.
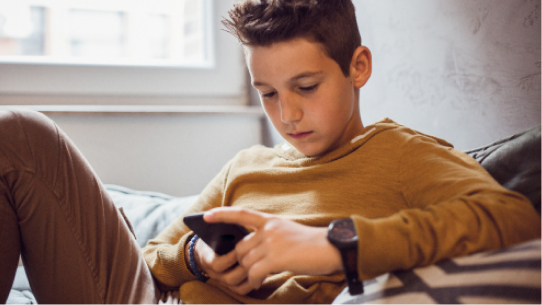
{"x":343,"y":230}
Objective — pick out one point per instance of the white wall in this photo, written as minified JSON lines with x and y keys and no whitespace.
{"x":466,"y":71}
{"x":177,"y":154}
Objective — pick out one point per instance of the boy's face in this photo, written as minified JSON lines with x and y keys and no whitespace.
{"x":305,"y":95}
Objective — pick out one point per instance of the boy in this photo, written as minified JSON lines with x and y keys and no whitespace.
{"x":405,"y":198}
{"x":410,"y":198}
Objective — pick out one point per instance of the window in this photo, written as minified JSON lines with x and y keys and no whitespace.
{"x":121,"y":32}
{"x":133,"y":49}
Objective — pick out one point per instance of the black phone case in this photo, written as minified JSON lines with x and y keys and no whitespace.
{"x":221,"y":237}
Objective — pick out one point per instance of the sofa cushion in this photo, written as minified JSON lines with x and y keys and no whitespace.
{"x":21,"y":297}
{"x":510,"y":275}
{"x":149,"y":213}
{"x":514,"y":162}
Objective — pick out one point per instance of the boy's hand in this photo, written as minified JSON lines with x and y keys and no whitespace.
{"x":278,"y":245}
{"x":222,"y":268}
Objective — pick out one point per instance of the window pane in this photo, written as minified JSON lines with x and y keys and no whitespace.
{"x":156,"y":36}
{"x":96,"y":34}
{"x":34,"y":43}
{"x":193,"y":31}
{"x":105,"y":31}
{"x":24,"y":33}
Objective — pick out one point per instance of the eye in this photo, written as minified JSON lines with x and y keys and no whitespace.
{"x":268,"y":95}
{"x":309,"y":89}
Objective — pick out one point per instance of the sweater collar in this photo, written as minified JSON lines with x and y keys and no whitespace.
{"x":290,"y":153}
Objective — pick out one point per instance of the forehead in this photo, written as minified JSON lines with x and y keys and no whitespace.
{"x":286,"y":58}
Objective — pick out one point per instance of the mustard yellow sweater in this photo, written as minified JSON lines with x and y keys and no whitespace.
{"x":414,"y":199}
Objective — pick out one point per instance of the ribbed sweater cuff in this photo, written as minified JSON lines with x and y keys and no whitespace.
{"x":184,"y":268}
{"x":381,"y":246}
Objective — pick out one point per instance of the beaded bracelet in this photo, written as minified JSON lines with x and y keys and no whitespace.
{"x":193,"y":266}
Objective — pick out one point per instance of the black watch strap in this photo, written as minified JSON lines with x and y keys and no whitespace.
{"x":342,"y":234}
{"x":350,"y":259}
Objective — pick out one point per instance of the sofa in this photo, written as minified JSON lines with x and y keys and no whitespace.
{"x":511,"y":275}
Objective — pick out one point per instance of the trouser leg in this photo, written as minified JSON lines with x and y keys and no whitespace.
{"x":10,"y":248}
{"x":75,"y":245}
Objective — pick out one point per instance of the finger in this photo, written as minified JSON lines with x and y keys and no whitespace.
{"x":251,"y":241}
{"x":257,"y":274}
{"x":215,"y":264}
{"x":242,"y":289}
{"x":234,"y":277}
{"x":252,"y":257}
{"x":224,"y":262}
{"x":211,"y":262}
{"x":243,"y":217}
{"x":249,"y":249}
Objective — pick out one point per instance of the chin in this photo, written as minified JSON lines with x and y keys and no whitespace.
{"x":310,"y":152}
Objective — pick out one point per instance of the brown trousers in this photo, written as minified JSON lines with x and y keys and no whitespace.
{"x":54,"y":211}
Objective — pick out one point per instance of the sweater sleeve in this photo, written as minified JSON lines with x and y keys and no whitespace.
{"x":165,"y":253}
{"x":456,"y":208}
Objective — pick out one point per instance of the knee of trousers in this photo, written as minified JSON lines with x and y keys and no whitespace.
{"x":26,"y":137}
{"x":18,"y":120}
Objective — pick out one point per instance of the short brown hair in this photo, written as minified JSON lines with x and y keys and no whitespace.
{"x":329,"y":22}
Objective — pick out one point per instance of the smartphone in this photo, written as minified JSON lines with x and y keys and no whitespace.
{"x":221,"y":237}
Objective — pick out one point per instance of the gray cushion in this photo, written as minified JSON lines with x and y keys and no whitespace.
{"x":20,"y":291}
{"x":21,"y":297}
{"x":515,"y":163}
{"x":148,"y":212}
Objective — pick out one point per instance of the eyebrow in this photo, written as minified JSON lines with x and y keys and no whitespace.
{"x":297,"y":77}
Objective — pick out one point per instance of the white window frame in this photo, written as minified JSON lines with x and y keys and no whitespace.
{"x":223,"y":78}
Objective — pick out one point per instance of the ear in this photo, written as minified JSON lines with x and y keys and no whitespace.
{"x":361,"y":66}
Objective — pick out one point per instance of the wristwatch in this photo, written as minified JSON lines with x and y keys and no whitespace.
{"x":342,"y":234}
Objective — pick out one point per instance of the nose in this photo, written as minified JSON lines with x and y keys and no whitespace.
{"x":290,"y":110}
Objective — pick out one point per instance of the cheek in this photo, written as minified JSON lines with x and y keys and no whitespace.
{"x":273,"y":113}
{"x":332,"y":107}
{"x":344,"y":105}
{"x":334,"y":111}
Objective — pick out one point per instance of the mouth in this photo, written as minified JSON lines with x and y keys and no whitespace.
{"x":300,"y":135}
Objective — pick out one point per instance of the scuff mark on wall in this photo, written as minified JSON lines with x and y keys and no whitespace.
{"x":532,"y":18}
{"x":530,"y":82}
{"x":478,"y":21}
